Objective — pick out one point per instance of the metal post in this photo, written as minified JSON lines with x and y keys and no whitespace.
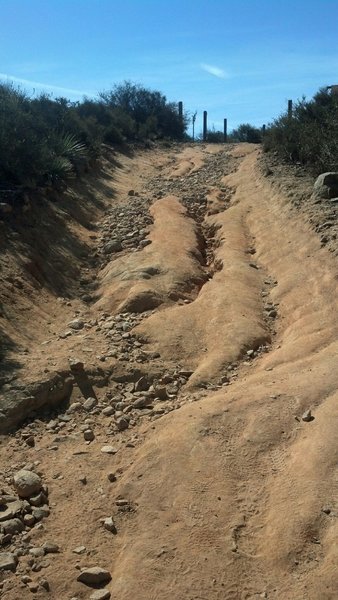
{"x":205,"y":125}
{"x":225,"y":130}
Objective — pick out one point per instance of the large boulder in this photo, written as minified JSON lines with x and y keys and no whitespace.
{"x":27,"y":483}
{"x":8,"y":561}
{"x":326,"y":185}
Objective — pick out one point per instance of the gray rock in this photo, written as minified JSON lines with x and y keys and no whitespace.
{"x":76,"y":324}
{"x":29,"y":520}
{"x":100,"y":595}
{"x":80,"y":550}
{"x":307,"y":416}
{"x":12,"y":526}
{"x":122,"y":424}
{"x":108,"y":450}
{"x":27,"y":483}
{"x":8,"y":561}
{"x":89,"y":404}
{"x":89,"y":435}
{"x":41,"y":512}
{"x":50,"y":548}
{"x":37,"y":552}
{"x":94,"y":576}
{"x":109,"y":525}
{"x":108,"y":411}
{"x":11,"y":510}
{"x":326,"y":185}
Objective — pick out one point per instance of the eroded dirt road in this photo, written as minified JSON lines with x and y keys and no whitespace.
{"x":204,"y":341}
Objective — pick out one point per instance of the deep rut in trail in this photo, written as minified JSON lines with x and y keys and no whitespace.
{"x":210,"y":331}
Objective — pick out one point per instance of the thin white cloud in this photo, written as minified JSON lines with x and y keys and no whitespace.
{"x":44,"y":86}
{"x":216,"y":71}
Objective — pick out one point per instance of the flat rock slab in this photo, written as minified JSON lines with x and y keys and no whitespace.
{"x":94,"y":576}
{"x":8,"y":561}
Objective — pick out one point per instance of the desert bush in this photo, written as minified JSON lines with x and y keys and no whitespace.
{"x":246,"y":133}
{"x":310,"y":135}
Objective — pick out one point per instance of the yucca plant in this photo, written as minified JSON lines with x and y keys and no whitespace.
{"x":67,"y":153}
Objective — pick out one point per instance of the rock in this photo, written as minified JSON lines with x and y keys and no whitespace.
{"x":89,"y":404}
{"x":108,"y":411}
{"x":5,"y":208}
{"x":50,"y":548}
{"x":142,"y":385}
{"x":80,"y":550}
{"x":131,"y":193}
{"x":33,"y":587}
{"x":8,"y":561}
{"x":12,"y":526}
{"x":27,"y":483}
{"x":326,"y":185}
{"x":13,"y":508}
{"x":76,"y":364}
{"x":108,"y":450}
{"x":142,"y":402}
{"x":100,"y":595}
{"x":113,"y":246}
{"x":307,"y":416}
{"x":83,"y":479}
{"x":44,"y":584}
{"x":38,"y":500}
{"x":76,"y":324}
{"x":111,"y":477}
{"x":122,"y":424}
{"x":89,"y":435}
{"x":161,"y":392}
{"x":41,"y":512}
{"x":94,"y":576}
{"x":109,"y":525}
{"x":29,"y":520}
{"x":37,"y":552}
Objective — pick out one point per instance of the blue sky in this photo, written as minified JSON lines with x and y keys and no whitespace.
{"x":238,"y":59}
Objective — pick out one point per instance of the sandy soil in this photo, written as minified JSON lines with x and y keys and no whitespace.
{"x":222,"y":491}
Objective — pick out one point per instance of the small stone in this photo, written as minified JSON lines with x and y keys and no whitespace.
{"x":29,"y":520}
{"x":8,"y":561}
{"x":26,"y":579}
{"x":111,"y":477}
{"x":100,"y":595}
{"x":326,"y":510}
{"x":41,"y":512}
{"x":76,"y":324}
{"x":94,"y":576}
{"x":30,"y":441}
{"x":38,"y":500}
{"x":44,"y":584}
{"x":83,"y":479}
{"x":27,"y":483}
{"x":80,"y":550}
{"x":33,"y":587}
{"x":89,"y":404}
{"x":109,"y":525}
{"x":122,"y":424}
{"x":307,"y":416}
{"x":89,"y":435}
{"x":37,"y":552}
{"x":108,"y":450}
{"x":12,"y":526}
{"x":76,"y":364}
{"x":50,"y":548}
{"x":108,"y":411}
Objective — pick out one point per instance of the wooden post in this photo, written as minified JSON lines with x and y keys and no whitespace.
{"x":263,"y":129}
{"x":193,"y":125}
{"x":205,"y":125}
{"x":225,"y":130}
{"x":289,"y":109}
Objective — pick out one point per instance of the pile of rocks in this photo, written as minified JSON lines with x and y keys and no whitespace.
{"x":125,"y":227}
{"x":20,"y":512}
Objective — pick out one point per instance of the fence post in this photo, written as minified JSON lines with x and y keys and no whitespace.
{"x":205,"y":125}
{"x":263,"y":129}
{"x":180,"y":110}
{"x":225,"y":130}
{"x":289,"y":109}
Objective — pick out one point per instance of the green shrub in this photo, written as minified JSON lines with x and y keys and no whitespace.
{"x":310,"y":135}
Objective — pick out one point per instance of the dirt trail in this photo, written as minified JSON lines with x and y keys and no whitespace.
{"x":227,"y":493}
